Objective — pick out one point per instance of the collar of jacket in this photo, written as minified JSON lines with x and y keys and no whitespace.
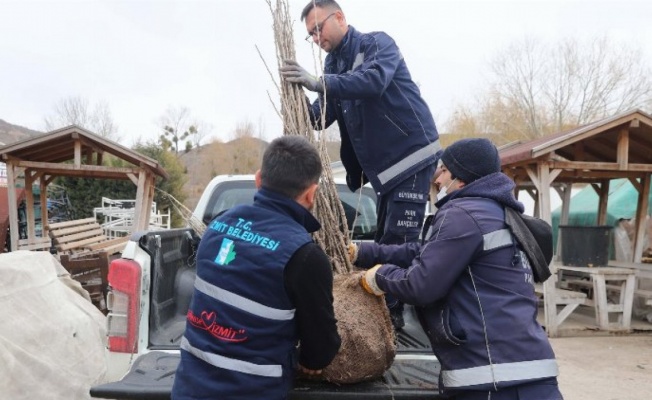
{"x":281,"y":204}
{"x":344,"y":48}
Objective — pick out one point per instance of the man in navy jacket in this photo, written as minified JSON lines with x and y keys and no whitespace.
{"x":388,"y":134}
{"x":262,"y":285}
{"x":472,"y":284}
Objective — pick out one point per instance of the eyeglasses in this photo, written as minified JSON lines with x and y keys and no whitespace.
{"x":318,"y":28}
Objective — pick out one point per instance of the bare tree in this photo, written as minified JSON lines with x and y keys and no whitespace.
{"x":244,"y":129}
{"x":204,"y":129}
{"x":602,"y":79}
{"x":77,"y":111}
{"x":261,"y":134}
{"x":246,"y":148}
{"x":540,"y":89}
{"x":176,"y":128}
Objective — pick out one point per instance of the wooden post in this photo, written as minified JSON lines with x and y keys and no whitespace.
{"x":43,"y":185}
{"x":604,"y":199}
{"x":141,"y":198}
{"x":144,"y":199}
{"x":641,"y":214}
{"x":30,"y":215}
{"x":541,"y":180}
{"x":151,"y":184}
{"x":623,"y":149}
{"x":564,"y":192}
{"x":544,"y":192}
{"x":12,"y":205}
{"x":77,"y":151}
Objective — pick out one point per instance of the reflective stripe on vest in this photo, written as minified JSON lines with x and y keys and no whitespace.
{"x":507,"y":372}
{"x":496,"y":239}
{"x":273,"y":371}
{"x":242,"y":303}
{"x":408,"y":162}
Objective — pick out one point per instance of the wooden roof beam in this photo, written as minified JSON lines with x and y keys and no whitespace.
{"x":39,"y":151}
{"x":588,"y":167}
{"x":91,"y":145}
{"x":94,"y":171}
{"x":637,"y":185}
{"x":57,"y":152}
{"x":594,"y":149}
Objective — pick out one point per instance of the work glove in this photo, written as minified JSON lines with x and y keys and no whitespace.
{"x":368,"y":281}
{"x":294,"y":73}
{"x":352,"y":248}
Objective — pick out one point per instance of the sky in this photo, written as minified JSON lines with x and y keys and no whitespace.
{"x":143,"y":57}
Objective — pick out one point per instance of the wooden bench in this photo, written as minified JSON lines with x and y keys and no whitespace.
{"x":568,"y":298}
{"x":83,"y":236}
{"x":645,"y":295}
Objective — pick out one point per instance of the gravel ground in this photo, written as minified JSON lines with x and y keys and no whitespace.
{"x":605,"y":368}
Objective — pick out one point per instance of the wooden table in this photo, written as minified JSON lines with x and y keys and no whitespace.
{"x":643,"y":271}
{"x":599,"y":275}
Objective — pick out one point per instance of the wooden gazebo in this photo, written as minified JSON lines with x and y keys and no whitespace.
{"x":616,"y":147}
{"x":75,"y":152}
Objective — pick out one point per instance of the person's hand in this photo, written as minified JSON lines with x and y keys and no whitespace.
{"x":294,"y":73}
{"x":368,"y":281}
{"x":352,"y":248}
{"x":309,"y":372}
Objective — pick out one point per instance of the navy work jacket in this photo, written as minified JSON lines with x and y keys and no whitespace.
{"x":387,"y":130}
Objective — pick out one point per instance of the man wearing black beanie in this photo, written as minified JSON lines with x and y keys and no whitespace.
{"x":472,"y":284}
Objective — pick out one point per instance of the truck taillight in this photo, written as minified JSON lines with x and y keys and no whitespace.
{"x":123,"y":302}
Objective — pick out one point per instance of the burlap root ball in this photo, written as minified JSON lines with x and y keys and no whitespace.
{"x":368,"y":340}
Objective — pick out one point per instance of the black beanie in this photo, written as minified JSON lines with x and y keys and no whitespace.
{"x":470,"y":159}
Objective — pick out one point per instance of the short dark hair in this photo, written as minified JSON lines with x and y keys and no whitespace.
{"x":290,"y":165}
{"x":332,"y":4}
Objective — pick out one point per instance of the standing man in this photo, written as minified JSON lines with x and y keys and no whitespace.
{"x":472,"y":284}
{"x":262,"y":286}
{"x":388,"y":134}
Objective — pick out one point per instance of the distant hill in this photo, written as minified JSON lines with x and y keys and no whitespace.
{"x":10,"y":133}
{"x":239,"y":156}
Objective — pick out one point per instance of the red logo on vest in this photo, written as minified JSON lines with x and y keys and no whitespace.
{"x":207,"y":321}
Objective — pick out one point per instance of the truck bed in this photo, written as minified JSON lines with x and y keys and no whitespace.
{"x":413,"y":375}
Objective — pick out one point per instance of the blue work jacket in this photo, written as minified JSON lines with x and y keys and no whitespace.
{"x":473,"y":289}
{"x":387,"y":130}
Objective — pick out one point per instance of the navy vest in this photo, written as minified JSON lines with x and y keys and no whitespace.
{"x":240,"y":334}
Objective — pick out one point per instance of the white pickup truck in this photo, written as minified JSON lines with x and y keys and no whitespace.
{"x":150,"y":291}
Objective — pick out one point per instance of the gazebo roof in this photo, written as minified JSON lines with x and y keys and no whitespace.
{"x":59,"y":146}
{"x":615,"y":147}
